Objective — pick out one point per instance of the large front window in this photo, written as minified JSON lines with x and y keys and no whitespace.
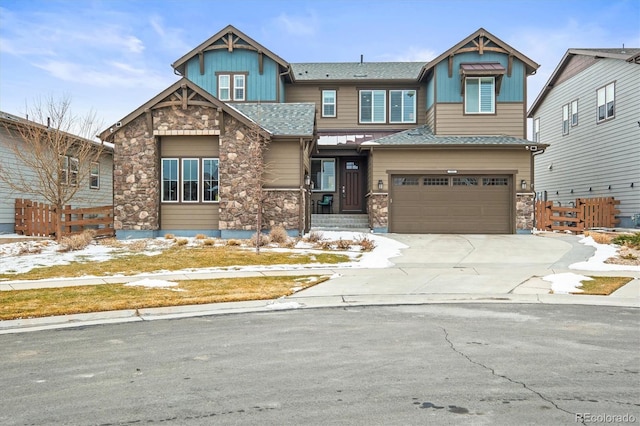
{"x":323,"y":175}
{"x":479,"y":95}
{"x":403,"y":106}
{"x":606,"y":102}
{"x":189,"y":180}
{"x":373,"y":106}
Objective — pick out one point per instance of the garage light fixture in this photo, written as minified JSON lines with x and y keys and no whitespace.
{"x":380,"y":184}
{"x":523,"y":184}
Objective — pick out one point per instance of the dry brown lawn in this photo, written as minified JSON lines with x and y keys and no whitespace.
{"x":603,"y":286}
{"x":17,"y":304}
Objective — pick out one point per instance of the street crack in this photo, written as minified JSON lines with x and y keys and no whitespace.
{"x":502,"y":376}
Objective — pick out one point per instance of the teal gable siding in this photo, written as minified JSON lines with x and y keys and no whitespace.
{"x":259,"y":87}
{"x":449,"y":89}
{"x":430,"y":92}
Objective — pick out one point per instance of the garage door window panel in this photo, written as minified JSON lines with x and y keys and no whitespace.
{"x":465,"y":181}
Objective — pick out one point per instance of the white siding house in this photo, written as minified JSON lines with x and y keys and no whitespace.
{"x":589,"y":114}
{"x":96,"y":190}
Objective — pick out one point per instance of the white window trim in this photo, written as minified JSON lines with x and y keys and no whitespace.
{"x":226,"y":87}
{"x":93,"y":175}
{"x":334,"y":104}
{"x":565,"y":118}
{"x":493,"y":95}
{"x":203,"y":180}
{"x":384,"y":106}
{"x":574,"y":113}
{"x":403,"y":92}
{"x":177,"y":200}
{"x":605,"y":97}
{"x":236,"y":79}
{"x":182,"y":181}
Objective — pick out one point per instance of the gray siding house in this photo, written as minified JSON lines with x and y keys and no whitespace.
{"x":589,"y":114}
{"x":96,"y":190}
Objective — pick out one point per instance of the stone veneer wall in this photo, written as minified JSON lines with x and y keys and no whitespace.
{"x":282,"y":207}
{"x":378,"y":208}
{"x":525,"y":211}
{"x":136,"y":185}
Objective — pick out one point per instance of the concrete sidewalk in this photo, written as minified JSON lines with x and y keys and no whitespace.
{"x":433,"y":269}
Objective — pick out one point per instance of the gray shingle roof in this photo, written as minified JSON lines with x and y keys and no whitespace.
{"x":293,"y":119}
{"x":357,"y":71}
{"x":423,"y":135}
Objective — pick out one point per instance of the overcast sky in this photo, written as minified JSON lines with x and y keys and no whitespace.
{"x":113,"y":56}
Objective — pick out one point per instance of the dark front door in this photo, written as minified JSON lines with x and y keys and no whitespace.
{"x":352,"y":185}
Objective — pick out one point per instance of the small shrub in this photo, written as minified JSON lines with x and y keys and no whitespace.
{"x":182,"y":241}
{"x":138,"y":245}
{"x":344,"y":244}
{"x":629,"y":240}
{"x":201,"y":237}
{"x":629,"y":256}
{"x":233,"y":242}
{"x":314,"y":236}
{"x":209,"y":242}
{"x":264,"y":239}
{"x":599,"y":237}
{"x":324,"y":245}
{"x":365,"y":243}
{"x":77,"y":241}
{"x":278,"y":235}
{"x":169,"y":237}
{"x":291,"y":243}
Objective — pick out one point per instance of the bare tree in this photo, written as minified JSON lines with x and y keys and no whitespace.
{"x":54,"y":153}
{"x":258,"y":145}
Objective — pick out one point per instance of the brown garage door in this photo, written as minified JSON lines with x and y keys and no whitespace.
{"x":450,"y":204}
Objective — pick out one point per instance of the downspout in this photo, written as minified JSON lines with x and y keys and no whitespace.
{"x":533,"y":174}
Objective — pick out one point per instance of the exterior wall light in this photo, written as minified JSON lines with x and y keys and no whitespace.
{"x":307,"y":180}
{"x":380,"y":184}
{"x":523,"y":184}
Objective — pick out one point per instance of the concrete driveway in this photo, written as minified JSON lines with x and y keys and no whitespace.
{"x":457,"y":264}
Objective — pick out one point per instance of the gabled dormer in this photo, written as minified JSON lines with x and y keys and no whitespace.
{"x":235,"y":68}
{"x":478,"y":87}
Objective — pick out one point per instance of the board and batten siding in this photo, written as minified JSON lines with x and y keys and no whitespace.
{"x":189,"y":216}
{"x":85,"y":197}
{"x":508,"y":120}
{"x":347,"y":105}
{"x":282,"y":164}
{"x":593,"y":155}
{"x":450,"y":159}
{"x":259,"y":87}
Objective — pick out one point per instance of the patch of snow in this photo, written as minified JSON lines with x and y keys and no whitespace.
{"x":277,"y":306}
{"x":150,"y":283}
{"x":566,"y":283}
{"x":596,"y":262}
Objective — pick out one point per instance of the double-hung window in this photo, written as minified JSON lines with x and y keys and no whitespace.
{"x":574,"y":113}
{"x":238,"y":87}
{"x":606,"y":102}
{"x":169,"y":180}
{"x":328,"y":103}
{"x":479,"y":95}
{"x":210,"y":179}
{"x":224,"y":87}
{"x":403,"y":106}
{"x":190,"y":180}
{"x":323,"y":175}
{"x":373,"y":106}
{"x":565,"y":119}
{"x":94,"y":175}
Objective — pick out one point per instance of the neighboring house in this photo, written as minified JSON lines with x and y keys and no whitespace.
{"x":96,"y":190}
{"x":416,"y":147}
{"x":589,"y":114}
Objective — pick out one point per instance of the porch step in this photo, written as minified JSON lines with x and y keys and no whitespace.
{"x":350,"y":222}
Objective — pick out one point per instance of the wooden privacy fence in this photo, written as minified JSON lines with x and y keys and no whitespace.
{"x":39,"y":219}
{"x":587,"y":213}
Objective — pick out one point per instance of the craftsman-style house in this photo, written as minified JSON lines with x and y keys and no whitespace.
{"x":589,"y":112}
{"x":435,"y":147}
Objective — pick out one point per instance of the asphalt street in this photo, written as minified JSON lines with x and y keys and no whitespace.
{"x":457,"y":364}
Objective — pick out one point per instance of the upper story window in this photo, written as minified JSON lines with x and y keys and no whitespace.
{"x":373,"y":106}
{"x":606,"y":102}
{"x":536,"y":130}
{"x":94,"y":176}
{"x":574,"y":113}
{"x":231,"y":92}
{"x":328,"y":103}
{"x":479,"y":95}
{"x":402,"y":106}
{"x":565,"y":119}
